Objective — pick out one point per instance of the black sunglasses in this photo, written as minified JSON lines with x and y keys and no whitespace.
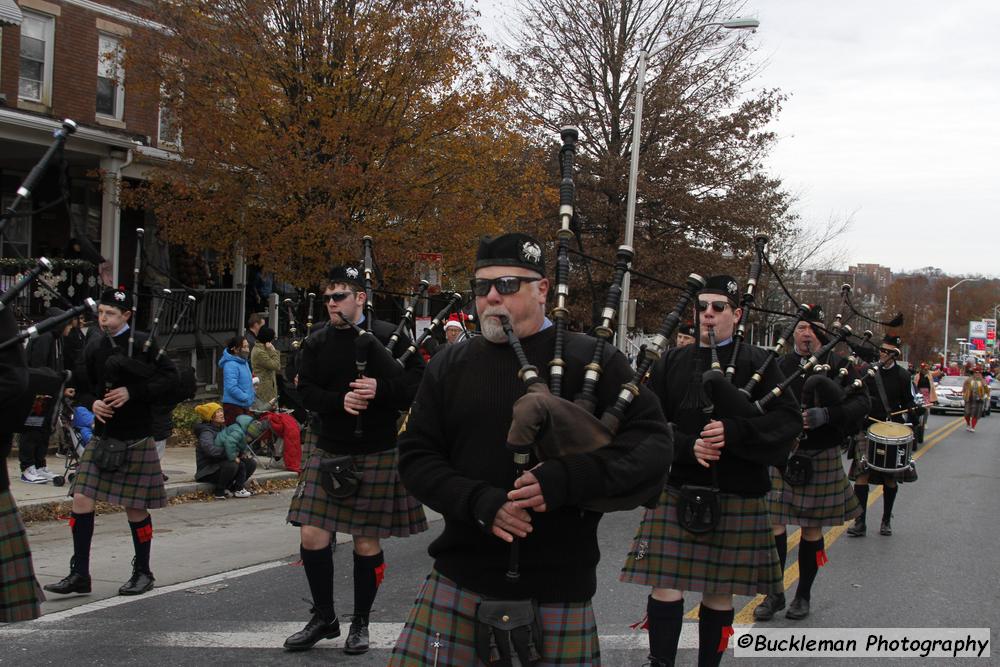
{"x":717,"y":306}
{"x":336,"y":297}
{"x":505,"y":284}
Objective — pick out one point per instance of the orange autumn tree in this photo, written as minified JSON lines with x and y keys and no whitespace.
{"x":307,"y":124}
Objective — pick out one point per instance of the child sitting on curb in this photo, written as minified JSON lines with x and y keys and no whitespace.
{"x":222,"y":452}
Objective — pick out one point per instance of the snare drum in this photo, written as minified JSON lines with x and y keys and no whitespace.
{"x":890,"y":446}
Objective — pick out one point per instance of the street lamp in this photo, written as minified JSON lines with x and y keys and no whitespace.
{"x":633,"y":171}
{"x":947,"y":313}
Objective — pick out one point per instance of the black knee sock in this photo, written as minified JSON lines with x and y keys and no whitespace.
{"x":368,"y":573}
{"x":811,"y":554}
{"x":714,"y":629}
{"x":861,"y":491}
{"x":142,"y":540}
{"x":318,"y":564}
{"x":82,"y":526}
{"x":889,"y":499}
{"x":665,"y":622}
{"x":781,"y":544}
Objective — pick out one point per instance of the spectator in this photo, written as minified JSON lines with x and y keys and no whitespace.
{"x":254,"y":323}
{"x":215,"y":465}
{"x":73,"y":343}
{"x":237,"y":390}
{"x":45,"y":351}
{"x":453,"y":330}
{"x":266,"y":362}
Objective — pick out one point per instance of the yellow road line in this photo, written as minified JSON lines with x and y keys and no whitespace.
{"x":745,"y":615}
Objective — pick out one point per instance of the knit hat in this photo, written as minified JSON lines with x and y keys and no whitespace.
{"x":207,"y":410}
{"x":511,"y":250}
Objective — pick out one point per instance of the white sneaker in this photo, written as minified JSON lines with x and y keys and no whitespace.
{"x":46,"y":473}
{"x":242,"y":493}
{"x":31,"y":476}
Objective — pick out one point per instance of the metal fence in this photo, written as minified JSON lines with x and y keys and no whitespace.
{"x":215,"y":311}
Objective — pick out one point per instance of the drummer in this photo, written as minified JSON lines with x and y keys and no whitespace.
{"x":892,"y":399}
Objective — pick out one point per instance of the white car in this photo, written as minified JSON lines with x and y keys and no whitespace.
{"x":949,"y":395}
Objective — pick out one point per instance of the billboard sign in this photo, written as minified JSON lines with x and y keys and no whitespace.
{"x":977,"y":329}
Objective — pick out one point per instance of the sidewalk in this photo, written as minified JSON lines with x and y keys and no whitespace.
{"x":178,"y":464}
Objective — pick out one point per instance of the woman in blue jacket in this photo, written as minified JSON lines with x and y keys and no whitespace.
{"x":237,"y":381}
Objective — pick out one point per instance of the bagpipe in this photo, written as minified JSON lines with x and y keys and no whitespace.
{"x":142,"y":363}
{"x":382,"y":359}
{"x":545,"y":424}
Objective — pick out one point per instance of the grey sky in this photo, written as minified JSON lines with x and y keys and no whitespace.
{"x":891,"y":119}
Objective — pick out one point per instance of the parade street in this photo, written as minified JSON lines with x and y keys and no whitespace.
{"x":229,"y":590}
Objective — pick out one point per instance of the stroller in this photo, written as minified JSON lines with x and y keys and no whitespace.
{"x":275,"y":436}
{"x":74,"y":429}
{"x":265,"y":445}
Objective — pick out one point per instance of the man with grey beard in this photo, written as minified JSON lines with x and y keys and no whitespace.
{"x":454,"y":458}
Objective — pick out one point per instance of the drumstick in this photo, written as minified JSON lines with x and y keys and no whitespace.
{"x":891,"y":414}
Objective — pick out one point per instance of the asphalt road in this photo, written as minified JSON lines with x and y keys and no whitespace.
{"x":229,"y":590}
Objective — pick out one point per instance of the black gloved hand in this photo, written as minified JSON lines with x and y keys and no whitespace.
{"x":813,"y":418}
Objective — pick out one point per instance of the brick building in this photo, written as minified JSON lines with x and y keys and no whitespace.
{"x":61,"y":59}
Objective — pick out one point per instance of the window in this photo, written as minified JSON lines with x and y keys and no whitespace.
{"x":169,"y":125}
{"x":110,"y":77}
{"x":35,"y":82}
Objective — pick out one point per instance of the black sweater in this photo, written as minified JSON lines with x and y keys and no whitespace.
{"x":453,"y":458}
{"x":898,"y":393}
{"x":845,"y":418}
{"x":13,"y":386}
{"x":752,"y":443}
{"x":145,"y":378}
{"x":326,"y":371}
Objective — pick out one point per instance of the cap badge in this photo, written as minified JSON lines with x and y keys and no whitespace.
{"x":351,"y":272}
{"x":530,"y":252}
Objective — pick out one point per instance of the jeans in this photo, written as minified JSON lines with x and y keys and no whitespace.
{"x":231,"y":475}
{"x":32,"y":446}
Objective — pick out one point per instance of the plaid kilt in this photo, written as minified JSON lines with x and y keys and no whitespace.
{"x":20,"y":596}
{"x":380,"y":508}
{"x":440,"y":630}
{"x":826,"y":500}
{"x":738,"y":557}
{"x":139,"y":485}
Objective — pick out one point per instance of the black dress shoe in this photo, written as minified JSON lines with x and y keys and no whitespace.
{"x":72,"y":583}
{"x":139,"y":583}
{"x":316,"y":629}
{"x":657,"y":662}
{"x":772,"y":604}
{"x":798,"y":610}
{"x":858,"y":529}
{"x":886,"y":528}
{"x":357,"y":636}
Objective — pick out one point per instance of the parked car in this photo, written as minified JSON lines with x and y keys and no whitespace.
{"x":994,"y":394}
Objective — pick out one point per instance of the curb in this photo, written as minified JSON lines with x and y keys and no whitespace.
{"x":172,"y":490}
